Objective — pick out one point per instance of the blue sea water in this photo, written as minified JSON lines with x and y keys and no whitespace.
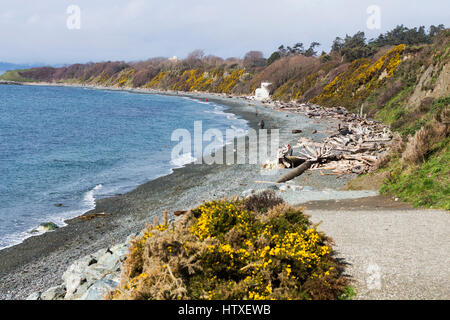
{"x":66,"y":145}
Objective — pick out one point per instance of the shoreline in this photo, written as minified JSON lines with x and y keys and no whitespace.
{"x":28,"y":266}
{"x":38,"y":262}
{"x":78,"y":212}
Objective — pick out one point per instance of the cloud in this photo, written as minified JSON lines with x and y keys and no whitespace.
{"x":33,"y":19}
{"x":35,"y":31}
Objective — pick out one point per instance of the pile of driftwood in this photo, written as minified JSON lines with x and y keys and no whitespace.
{"x":319,"y":112}
{"x":355,"y":147}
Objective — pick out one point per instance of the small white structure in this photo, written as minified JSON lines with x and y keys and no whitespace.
{"x":263,"y":92}
{"x":174,"y":59}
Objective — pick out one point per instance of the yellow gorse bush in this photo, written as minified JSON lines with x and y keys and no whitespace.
{"x":235,"y":253}
{"x":360,"y":79}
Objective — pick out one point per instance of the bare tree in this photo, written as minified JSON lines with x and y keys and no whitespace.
{"x":194,"y":58}
{"x":254,"y":59}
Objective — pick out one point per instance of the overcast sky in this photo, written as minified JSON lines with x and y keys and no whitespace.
{"x":36,"y":31}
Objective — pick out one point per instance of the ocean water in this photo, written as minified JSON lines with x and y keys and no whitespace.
{"x":70,"y":146}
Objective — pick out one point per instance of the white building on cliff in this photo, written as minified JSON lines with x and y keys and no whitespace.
{"x":263,"y":92}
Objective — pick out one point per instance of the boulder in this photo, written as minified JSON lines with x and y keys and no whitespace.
{"x":120,"y":250}
{"x":100,"y":288}
{"x":54,"y":293}
{"x":46,"y":226}
{"x":248,"y":193}
{"x":75,"y":275}
{"x":79,"y":292}
{"x":34,"y":296}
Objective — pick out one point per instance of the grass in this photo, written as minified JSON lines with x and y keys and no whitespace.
{"x":13,"y":75}
{"x":394,"y":108}
{"x":427,"y":184}
{"x":419,"y":171}
{"x":348,"y":294}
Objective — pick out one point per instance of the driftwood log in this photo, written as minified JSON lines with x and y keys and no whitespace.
{"x":295,"y":172}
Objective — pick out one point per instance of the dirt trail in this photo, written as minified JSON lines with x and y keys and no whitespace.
{"x":392,"y":252}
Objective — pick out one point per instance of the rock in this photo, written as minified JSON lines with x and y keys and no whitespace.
{"x":46,"y":226}
{"x":75,"y":274}
{"x":248,"y":193}
{"x":297,"y":131}
{"x":81,"y":290}
{"x":283,"y":188}
{"x":120,"y":250}
{"x":89,"y":277}
{"x":100,"y":288}
{"x":83,"y":273}
{"x":54,"y":293}
{"x":34,"y":296}
{"x":296,"y":188}
{"x":107,"y":263}
{"x":58,"y":205}
{"x":73,"y":282}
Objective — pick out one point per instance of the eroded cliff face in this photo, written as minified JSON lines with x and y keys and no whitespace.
{"x":433,"y":83}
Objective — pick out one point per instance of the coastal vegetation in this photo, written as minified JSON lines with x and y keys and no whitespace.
{"x":254,"y":248}
{"x":400,"y":78}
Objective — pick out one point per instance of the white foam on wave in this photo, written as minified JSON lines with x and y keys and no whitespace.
{"x":183,"y":159}
{"x":197,"y":100}
{"x":89,"y":197}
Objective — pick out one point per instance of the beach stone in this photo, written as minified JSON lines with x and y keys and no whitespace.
{"x":92,"y":274}
{"x":100,"y":287}
{"x":262,"y":191}
{"x":107,"y":263}
{"x":54,"y":293}
{"x":75,"y":274}
{"x":72,"y":282}
{"x":34,"y":296}
{"x":121,"y":250}
{"x":296,"y":188}
{"x":80,"y":291}
{"x":46,"y":226}
{"x":248,"y":192}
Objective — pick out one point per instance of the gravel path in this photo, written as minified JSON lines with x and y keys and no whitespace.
{"x":392,"y":254}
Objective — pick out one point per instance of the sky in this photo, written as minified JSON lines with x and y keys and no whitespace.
{"x":46,"y":31}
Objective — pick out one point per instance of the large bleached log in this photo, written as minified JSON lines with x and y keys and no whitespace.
{"x":295,"y":172}
{"x":306,"y":165}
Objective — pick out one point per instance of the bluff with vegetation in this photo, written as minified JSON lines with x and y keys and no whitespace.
{"x":401,"y":78}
